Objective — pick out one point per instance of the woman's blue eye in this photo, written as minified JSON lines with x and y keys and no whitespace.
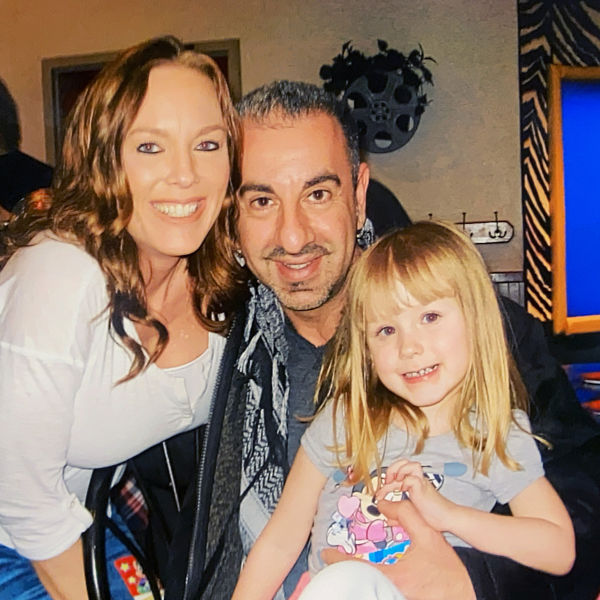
{"x":149,"y":148}
{"x":208,"y":146}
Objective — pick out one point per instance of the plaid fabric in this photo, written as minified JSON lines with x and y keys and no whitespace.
{"x":130,"y":503}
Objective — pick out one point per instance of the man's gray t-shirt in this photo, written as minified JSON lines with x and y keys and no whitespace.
{"x":347,"y":518}
{"x":303,"y":370}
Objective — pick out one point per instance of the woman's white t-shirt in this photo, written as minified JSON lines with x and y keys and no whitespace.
{"x":61,"y":412}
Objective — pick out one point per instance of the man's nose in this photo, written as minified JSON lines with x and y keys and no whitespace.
{"x":294,"y":228}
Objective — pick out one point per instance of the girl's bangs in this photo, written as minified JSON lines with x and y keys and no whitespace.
{"x":423,"y":279}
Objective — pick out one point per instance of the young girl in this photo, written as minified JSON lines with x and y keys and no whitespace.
{"x":423,"y":402}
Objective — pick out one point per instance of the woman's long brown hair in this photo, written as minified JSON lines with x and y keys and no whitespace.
{"x":91,"y":203}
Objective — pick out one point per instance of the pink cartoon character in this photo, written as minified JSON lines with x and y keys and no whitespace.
{"x":358,"y":528}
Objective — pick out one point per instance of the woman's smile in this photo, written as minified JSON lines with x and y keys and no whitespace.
{"x":178,"y":209}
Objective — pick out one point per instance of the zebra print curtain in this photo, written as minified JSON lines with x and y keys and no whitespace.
{"x":565,"y":32}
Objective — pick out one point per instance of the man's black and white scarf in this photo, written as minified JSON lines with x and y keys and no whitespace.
{"x":264,"y":454}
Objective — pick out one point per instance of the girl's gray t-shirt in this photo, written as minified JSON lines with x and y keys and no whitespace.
{"x":347,"y":518}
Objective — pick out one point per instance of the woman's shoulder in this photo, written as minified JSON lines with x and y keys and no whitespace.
{"x":53,"y":274}
{"x":47,"y":248}
{"x":51,"y":258}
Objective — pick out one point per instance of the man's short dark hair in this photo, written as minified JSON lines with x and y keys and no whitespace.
{"x":10,"y":130}
{"x":295,"y":99}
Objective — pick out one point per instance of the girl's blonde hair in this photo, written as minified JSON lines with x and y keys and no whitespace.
{"x":432,"y":260}
{"x":91,"y":203}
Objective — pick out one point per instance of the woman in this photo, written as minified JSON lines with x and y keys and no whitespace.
{"x":111,"y":301}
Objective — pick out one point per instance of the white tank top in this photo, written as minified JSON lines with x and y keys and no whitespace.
{"x":198,"y":377}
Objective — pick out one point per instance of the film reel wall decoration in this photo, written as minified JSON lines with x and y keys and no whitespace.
{"x":385,"y":109}
{"x":384,"y":93}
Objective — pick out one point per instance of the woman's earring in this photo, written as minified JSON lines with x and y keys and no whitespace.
{"x":239,"y":258}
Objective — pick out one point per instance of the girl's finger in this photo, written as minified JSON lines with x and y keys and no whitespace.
{"x":394,"y":489}
{"x":392,"y":471}
{"x":407,"y":468}
{"x":413,"y":484}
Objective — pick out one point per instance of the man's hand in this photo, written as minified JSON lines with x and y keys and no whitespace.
{"x":430,"y":570}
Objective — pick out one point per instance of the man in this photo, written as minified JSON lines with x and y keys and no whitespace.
{"x":300,"y":204}
{"x":298,"y":218}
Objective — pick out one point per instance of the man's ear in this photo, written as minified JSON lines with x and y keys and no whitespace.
{"x":361,"y":194}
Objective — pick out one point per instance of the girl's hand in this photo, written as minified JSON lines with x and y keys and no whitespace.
{"x":407,"y":476}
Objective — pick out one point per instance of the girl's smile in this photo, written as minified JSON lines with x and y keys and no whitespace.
{"x":419,"y":375}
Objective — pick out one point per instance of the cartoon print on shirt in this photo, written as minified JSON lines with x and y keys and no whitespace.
{"x":357,"y":526}
{"x":339,"y":536}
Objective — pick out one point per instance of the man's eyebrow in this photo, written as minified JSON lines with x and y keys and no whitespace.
{"x":255,"y":187}
{"x":267,"y":189}
{"x":321,"y":179}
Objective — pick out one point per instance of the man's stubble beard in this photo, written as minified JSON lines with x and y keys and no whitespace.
{"x":290,"y":298}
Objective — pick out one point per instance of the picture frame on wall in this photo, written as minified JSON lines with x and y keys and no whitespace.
{"x":574,"y":127}
{"x":65,"y":77}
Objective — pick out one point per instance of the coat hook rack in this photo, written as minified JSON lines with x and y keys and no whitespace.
{"x":487,"y":232}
